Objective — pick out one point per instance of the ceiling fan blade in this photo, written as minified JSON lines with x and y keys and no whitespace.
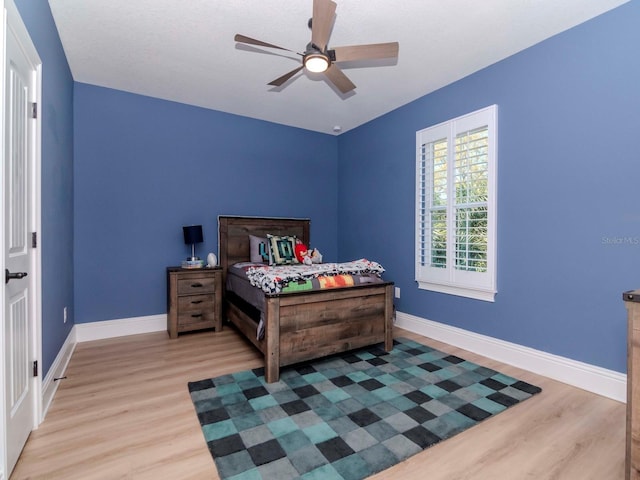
{"x":339,"y":79}
{"x":281,"y":80}
{"x":322,"y":21}
{"x":366,"y":52}
{"x":260,"y":43}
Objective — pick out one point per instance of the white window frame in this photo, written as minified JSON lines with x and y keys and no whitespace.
{"x":448,"y":279}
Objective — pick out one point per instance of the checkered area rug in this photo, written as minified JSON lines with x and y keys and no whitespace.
{"x":347,"y":416}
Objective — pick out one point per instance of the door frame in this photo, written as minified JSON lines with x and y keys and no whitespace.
{"x":11,"y":20}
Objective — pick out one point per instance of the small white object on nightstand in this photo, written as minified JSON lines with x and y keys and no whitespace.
{"x":212,"y":260}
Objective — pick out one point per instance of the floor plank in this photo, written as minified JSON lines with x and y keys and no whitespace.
{"x":124,"y":412}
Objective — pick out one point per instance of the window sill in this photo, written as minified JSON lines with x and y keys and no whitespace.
{"x":476,"y":294}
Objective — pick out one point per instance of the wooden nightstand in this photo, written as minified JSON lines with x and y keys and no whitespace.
{"x":194,"y":299}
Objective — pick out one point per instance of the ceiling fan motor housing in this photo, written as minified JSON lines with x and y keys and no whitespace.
{"x":314,"y":58}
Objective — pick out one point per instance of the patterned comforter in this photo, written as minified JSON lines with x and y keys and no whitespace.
{"x":288,"y":278}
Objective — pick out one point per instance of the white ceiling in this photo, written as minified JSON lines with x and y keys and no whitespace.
{"x":185,"y":52}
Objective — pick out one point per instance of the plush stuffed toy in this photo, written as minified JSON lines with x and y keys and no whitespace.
{"x":316,"y":256}
{"x":306,"y":256}
{"x":301,"y":251}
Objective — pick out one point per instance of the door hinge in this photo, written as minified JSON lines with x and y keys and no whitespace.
{"x":34,"y":239}
{"x":34,"y":110}
{"x":35,"y":368}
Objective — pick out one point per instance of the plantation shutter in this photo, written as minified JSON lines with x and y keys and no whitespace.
{"x":456,"y":207}
{"x":471,"y":187}
{"x":433,"y":201}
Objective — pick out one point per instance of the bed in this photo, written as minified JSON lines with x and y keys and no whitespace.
{"x":300,"y":326}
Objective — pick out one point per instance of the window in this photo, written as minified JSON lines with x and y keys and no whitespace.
{"x":456,"y":206}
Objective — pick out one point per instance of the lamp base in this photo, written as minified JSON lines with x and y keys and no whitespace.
{"x":193,"y":259}
{"x":192,"y":263}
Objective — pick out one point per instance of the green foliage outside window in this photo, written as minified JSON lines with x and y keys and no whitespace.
{"x":471,"y":193}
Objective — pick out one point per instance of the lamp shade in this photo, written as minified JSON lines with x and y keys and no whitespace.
{"x":192,"y":234}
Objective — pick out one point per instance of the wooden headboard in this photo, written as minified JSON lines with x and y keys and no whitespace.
{"x":233,"y":235}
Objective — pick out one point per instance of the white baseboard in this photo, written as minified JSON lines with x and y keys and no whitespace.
{"x":86,"y":332}
{"x":607,"y":383}
{"x":57,"y":370}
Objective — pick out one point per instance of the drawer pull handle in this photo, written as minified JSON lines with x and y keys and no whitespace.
{"x":196,"y":315}
{"x":196,"y":285}
{"x":196,"y":301}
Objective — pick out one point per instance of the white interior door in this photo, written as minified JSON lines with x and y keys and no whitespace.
{"x":19,"y":150}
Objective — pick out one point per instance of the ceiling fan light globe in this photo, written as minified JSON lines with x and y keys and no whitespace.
{"x":316,"y":63}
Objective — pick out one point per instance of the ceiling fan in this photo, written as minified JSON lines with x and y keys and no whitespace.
{"x":318,"y":58}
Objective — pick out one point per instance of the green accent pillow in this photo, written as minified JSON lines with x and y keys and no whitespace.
{"x":282,"y":250}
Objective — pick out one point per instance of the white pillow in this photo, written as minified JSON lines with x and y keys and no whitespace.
{"x":259,"y":249}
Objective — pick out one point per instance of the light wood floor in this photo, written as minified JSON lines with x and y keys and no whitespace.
{"x":124,"y":412}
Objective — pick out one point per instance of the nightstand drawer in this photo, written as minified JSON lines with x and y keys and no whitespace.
{"x":196,"y":285}
{"x":196,"y":317}
{"x":196,"y":303}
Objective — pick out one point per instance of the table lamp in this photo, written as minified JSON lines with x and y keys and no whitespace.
{"x":192,"y":235}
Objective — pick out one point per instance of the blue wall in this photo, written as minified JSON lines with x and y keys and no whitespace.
{"x":568,"y":113}
{"x":568,"y":121}
{"x":56,"y":237}
{"x":145,"y":167}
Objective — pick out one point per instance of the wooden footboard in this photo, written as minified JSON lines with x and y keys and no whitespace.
{"x":301,"y":327}
{"x":304,"y":326}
